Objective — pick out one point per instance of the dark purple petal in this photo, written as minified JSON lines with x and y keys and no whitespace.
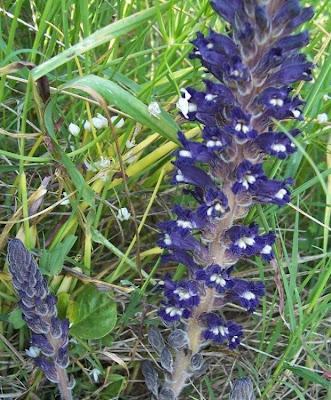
{"x":215,"y":206}
{"x":247,"y":176}
{"x":228,"y":9}
{"x":42,"y":342}
{"x":277,"y":144}
{"x":62,"y":358}
{"x":246,"y":294}
{"x":216,"y":277}
{"x":192,"y":175}
{"x":240,"y":127}
{"x":172,"y":312}
{"x":272,"y":191}
{"x":48,"y":368}
{"x":180,"y":256}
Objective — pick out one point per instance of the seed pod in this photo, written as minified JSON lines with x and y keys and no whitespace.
{"x":178,"y":339}
{"x":151,"y":377}
{"x":242,"y":390}
{"x":196,"y":362}
{"x":155,"y":339}
{"x":201,"y":371}
{"x":167,"y":360}
{"x":167,"y":394}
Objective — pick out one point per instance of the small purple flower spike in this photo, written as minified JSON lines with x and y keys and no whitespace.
{"x":50,"y":334}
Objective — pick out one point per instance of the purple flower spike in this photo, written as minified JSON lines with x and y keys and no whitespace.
{"x":252,"y":67}
{"x":40,"y":313}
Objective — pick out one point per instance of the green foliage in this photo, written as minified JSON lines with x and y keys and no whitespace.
{"x":93,"y":314}
{"x":126,"y":54}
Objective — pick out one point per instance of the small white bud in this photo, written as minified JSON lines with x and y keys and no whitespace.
{"x":33,"y":351}
{"x":123,"y":214}
{"x":129,"y":144}
{"x":154,"y":109}
{"x":65,"y":201}
{"x":104,"y":162}
{"x":322,"y":118}
{"x":100,"y":121}
{"x":89,"y":166}
{"x":119,"y":124}
{"x":95,"y":374}
{"x":74,"y":129}
{"x":87,"y":126}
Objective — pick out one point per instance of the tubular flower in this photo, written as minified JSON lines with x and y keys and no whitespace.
{"x":252,"y":68}
{"x":50,"y":334}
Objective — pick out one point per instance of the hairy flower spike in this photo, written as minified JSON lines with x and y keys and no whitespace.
{"x":50,"y":334}
{"x":252,"y":69}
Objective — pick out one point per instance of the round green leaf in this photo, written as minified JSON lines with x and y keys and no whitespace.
{"x":93,"y":314}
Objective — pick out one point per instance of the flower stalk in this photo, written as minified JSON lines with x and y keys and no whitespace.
{"x":50,"y":334}
{"x":252,"y":69}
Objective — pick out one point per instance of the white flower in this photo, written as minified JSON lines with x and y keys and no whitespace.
{"x":100,"y":121}
{"x":89,"y":166}
{"x":95,"y":372}
{"x":87,"y":125}
{"x":33,"y":351}
{"x":130,"y":158}
{"x":154,"y":109}
{"x":119,"y":124}
{"x":183,"y":104}
{"x":322,"y":118}
{"x":129,"y":144}
{"x":326,"y":97}
{"x":65,"y":201}
{"x":74,"y":129}
{"x":123,"y":214}
{"x":104,"y":162}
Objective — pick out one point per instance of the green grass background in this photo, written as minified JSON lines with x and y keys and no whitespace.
{"x":121,"y":56}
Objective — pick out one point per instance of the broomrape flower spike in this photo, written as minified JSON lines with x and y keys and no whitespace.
{"x":50,"y":334}
{"x":252,"y":68}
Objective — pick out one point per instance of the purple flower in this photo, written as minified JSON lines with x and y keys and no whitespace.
{"x":277,"y":144}
{"x":215,"y":277}
{"x":186,"y":293}
{"x":272,"y":191}
{"x":241,"y":126}
{"x":216,"y":138}
{"x":247,"y":176}
{"x":246,"y":294}
{"x":219,"y":330}
{"x":192,"y":175}
{"x":215,"y":206}
{"x":173,"y":311}
{"x":244,"y":240}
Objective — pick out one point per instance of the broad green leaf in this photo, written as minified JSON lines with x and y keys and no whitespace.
{"x":93,"y":315}
{"x":126,"y":102}
{"x":16,"y":319}
{"x":51,"y":261}
{"x":101,"y":36}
